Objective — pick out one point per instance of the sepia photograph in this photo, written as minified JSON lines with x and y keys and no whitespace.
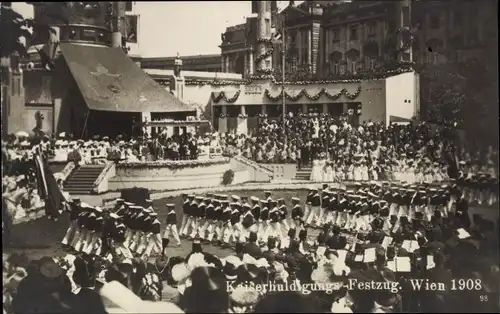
{"x":335,"y":156}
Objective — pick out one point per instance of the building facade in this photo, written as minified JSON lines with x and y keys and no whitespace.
{"x":329,"y":39}
{"x":78,"y":78}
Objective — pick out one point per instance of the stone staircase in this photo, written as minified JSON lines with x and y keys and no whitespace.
{"x":304,"y":173}
{"x":81,"y":180}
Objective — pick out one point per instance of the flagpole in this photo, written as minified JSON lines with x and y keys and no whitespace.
{"x":283,"y":72}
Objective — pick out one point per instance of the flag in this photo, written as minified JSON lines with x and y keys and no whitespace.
{"x":48,"y":190}
{"x":45,"y":59}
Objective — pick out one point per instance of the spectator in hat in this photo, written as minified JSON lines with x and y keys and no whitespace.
{"x":207,"y":293}
{"x":46,"y":287}
{"x":252,"y":248}
{"x":85,"y":277}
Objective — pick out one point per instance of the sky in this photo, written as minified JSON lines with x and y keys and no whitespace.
{"x":187,"y":28}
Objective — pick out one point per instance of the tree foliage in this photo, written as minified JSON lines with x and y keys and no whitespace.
{"x":16,"y":32}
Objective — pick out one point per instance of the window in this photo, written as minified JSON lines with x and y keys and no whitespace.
{"x":335,"y":68}
{"x":432,"y":57}
{"x":293,"y":65}
{"x":372,"y":28}
{"x":131,"y":28}
{"x":371,"y":62}
{"x":354,"y":33}
{"x":353,"y":68}
{"x":405,"y":11}
{"x":435,"y":21}
{"x":268,"y":64}
{"x":128,"y":6}
{"x":268,"y":26}
{"x":335,"y":36}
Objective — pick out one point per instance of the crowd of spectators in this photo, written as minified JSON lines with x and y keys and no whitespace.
{"x":20,"y":194}
{"x":375,"y":149}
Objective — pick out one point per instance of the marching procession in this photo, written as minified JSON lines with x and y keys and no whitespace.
{"x":227,"y":220}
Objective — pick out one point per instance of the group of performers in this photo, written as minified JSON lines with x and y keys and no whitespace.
{"x":226,"y":220}
{"x":96,"y":231}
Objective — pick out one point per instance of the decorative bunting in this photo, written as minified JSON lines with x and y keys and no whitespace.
{"x":322,"y":92}
{"x":222,"y":96}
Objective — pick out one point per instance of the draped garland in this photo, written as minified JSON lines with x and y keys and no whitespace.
{"x":222,"y":96}
{"x":322,"y":92}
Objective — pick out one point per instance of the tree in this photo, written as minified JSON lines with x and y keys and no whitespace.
{"x":17,"y":32}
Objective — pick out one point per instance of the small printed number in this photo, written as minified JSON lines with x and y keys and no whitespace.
{"x":483,"y":298}
{"x":466,"y":284}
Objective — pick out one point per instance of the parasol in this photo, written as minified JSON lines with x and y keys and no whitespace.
{"x":22,"y":134}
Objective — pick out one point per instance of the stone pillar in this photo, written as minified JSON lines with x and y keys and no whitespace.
{"x":309,"y":47}
{"x":223,"y":121}
{"x":304,"y":108}
{"x":325,"y":108}
{"x":345,"y":107}
{"x":245,"y":67}
{"x":116,"y":39}
{"x":223,"y":63}
{"x":226,"y":63}
{"x":250,"y":61}
{"x":242,"y":122}
{"x":263,"y":109}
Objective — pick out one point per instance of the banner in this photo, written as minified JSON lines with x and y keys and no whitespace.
{"x":48,"y":190}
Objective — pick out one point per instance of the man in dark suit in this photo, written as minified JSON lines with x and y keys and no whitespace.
{"x":251,"y":248}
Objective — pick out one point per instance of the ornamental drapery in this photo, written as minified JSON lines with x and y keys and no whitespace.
{"x":313,"y":96}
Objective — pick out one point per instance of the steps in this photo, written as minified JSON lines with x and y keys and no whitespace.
{"x":81,"y":180}
{"x":303,"y":174}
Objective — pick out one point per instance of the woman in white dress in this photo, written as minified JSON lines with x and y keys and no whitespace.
{"x":327,"y":169}
{"x":317,"y":172}
{"x":364,"y":171}
{"x":350,"y":173}
{"x":438,"y":176}
{"x":331,"y":172}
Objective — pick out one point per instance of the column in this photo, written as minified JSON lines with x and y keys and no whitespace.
{"x":345,"y":107}
{"x":223,"y":63}
{"x":304,"y":108}
{"x":242,"y":121}
{"x":309,"y":47}
{"x":250,"y":62}
{"x":245,"y":67}
{"x":223,"y":120}
{"x":227,"y":63}
{"x":263,"y":109}
{"x":325,"y":108}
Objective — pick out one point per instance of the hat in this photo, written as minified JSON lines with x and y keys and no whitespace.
{"x":149,"y":201}
{"x":49,"y":268}
{"x":120,"y":200}
{"x":295,"y":199}
{"x":191,"y":195}
{"x":235,"y":197}
{"x":254,"y":199}
{"x":230,"y":267}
